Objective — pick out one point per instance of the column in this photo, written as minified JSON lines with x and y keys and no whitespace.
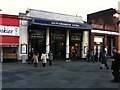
{"x":67,"y":46}
{"x":23,"y":37}
{"x":47,"y":42}
{"x":105,"y":41}
{"x":105,"y":44}
{"x":91,"y":43}
{"x":116,"y":42}
{"x":85,"y":44}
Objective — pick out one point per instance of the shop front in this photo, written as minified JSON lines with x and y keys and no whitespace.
{"x":103,"y":41}
{"x":9,"y":34}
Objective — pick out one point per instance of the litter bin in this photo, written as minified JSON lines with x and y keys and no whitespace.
{"x":23,"y":58}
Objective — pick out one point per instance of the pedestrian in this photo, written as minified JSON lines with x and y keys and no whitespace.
{"x":50,"y":58}
{"x":44,"y":59}
{"x":103,"y":60}
{"x":96,"y":56}
{"x":35,"y":59}
{"x":88,"y":56}
{"x":31,"y":56}
{"x":75,"y":53}
{"x":115,"y":66}
{"x":92,"y":55}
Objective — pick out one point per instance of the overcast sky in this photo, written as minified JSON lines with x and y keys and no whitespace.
{"x":72,"y":7}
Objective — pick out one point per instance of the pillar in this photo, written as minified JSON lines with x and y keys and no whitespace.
{"x":47,"y":42}
{"x":106,"y":44}
{"x":67,"y":46}
{"x":85,"y":43}
{"x":116,"y":42}
{"x":23,"y":38}
{"x":105,"y":41}
{"x":91,"y":43}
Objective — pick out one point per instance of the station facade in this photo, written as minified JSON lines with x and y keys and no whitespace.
{"x":60,"y":33}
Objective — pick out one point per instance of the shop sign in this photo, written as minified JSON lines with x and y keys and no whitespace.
{"x":9,"y":30}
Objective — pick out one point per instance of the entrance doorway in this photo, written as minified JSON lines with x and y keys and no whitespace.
{"x":97,"y":49}
{"x":57,"y":44}
{"x":36,"y":41}
{"x":75,"y":45}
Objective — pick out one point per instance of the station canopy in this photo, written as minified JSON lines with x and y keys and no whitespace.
{"x":39,"y":17}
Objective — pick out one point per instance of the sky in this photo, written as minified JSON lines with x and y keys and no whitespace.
{"x":70,"y":7}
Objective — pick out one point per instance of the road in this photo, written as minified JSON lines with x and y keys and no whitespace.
{"x":62,"y":74}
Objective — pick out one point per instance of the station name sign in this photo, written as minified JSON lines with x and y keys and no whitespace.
{"x":61,"y":24}
{"x":65,"y":24}
{"x":9,"y":30}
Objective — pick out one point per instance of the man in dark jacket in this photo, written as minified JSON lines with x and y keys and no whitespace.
{"x":116,"y":66}
{"x":103,"y":59}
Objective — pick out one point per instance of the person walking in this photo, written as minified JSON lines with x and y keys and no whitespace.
{"x":75,"y":53}
{"x":35,"y":58}
{"x":115,"y":66}
{"x":92,"y":55}
{"x":103,"y":59}
{"x":44,"y":59}
{"x":50,"y":58}
{"x":31,"y":56}
{"x":88,"y":56}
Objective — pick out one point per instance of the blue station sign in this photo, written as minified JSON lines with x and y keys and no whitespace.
{"x":60,"y":24}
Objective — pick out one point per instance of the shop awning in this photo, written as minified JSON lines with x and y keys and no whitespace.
{"x":60,"y":24}
{"x":9,"y":41}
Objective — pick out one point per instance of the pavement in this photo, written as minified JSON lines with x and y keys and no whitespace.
{"x":62,"y":74}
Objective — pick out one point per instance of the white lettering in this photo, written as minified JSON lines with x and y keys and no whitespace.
{"x":65,"y":24}
{"x":75,"y":25}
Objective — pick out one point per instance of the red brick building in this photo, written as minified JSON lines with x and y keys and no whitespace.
{"x":104,"y":35}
